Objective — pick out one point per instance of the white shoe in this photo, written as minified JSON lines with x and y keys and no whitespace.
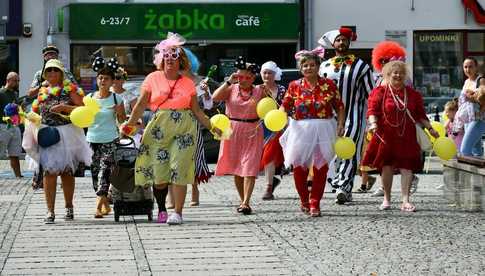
{"x":174,"y":219}
{"x":414,"y":184}
{"x":378,"y":192}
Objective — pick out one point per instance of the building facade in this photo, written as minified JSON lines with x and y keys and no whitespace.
{"x":217,"y":31}
{"x":437,"y":34}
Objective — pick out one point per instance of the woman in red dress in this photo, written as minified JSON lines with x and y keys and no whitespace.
{"x":393,"y":111}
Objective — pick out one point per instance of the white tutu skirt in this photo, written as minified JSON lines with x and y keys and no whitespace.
{"x":309,"y":142}
{"x":66,"y":155}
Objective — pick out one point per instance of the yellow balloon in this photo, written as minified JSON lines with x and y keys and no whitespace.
{"x":91,"y":102}
{"x":344,"y":148}
{"x":264,"y":106}
{"x":275,"y":120}
{"x":445,"y":117}
{"x":82,"y":116}
{"x":220,"y":121}
{"x":439,"y":127}
{"x":444,"y":148}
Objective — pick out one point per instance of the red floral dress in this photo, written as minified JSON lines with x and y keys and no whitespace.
{"x":399,"y":147}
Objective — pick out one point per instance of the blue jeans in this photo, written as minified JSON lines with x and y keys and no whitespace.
{"x":472,"y":140}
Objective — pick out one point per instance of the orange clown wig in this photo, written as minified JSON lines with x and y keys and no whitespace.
{"x":386,"y":51}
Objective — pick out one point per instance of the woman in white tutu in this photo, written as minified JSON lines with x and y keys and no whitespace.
{"x":62,"y":146}
{"x":312,"y":130}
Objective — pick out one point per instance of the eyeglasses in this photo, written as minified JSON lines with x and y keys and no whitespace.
{"x":241,"y":77}
{"x":172,"y":53}
{"x":52,"y":69}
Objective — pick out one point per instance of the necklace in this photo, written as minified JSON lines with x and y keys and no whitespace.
{"x":400,"y":122}
{"x":242,"y":96}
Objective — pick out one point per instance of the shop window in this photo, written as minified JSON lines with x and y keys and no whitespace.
{"x":438,"y":58}
{"x":9,"y":60}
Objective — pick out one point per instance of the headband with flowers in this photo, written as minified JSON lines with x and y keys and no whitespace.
{"x":172,"y":40}
{"x":241,"y":64}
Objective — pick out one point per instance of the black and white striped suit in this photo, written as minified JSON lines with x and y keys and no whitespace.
{"x":355,"y":82}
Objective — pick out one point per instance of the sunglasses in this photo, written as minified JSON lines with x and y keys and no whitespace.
{"x":172,"y":53}
{"x":241,"y":77}
{"x":52,"y":69}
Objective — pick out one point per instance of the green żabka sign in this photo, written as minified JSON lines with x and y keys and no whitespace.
{"x":193,"y":21}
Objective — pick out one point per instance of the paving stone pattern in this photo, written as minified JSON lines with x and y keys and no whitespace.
{"x":277,"y":239}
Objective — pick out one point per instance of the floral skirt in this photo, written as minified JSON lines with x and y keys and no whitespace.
{"x":167,"y":149}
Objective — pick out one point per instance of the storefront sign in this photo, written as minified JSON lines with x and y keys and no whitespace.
{"x":193,"y":21}
{"x":438,"y":38}
{"x":397,"y":36}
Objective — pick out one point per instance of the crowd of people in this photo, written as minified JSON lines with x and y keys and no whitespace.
{"x":338,"y":97}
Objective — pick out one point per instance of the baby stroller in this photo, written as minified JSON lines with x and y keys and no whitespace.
{"x":128,"y":199}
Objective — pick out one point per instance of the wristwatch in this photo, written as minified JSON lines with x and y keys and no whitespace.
{"x":228,"y":83}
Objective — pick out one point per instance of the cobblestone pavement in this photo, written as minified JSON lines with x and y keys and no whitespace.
{"x":356,"y":239}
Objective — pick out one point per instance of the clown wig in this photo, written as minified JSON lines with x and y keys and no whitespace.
{"x":386,"y":51}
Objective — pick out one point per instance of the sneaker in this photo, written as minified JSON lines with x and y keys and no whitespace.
{"x":162,"y":217}
{"x":49,"y":219}
{"x":174,"y":219}
{"x":414,"y":184}
{"x":341,"y":197}
{"x":69,"y":214}
{"x":378,"y":192}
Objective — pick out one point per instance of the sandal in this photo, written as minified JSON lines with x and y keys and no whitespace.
{"x":408,"y":207}
{"x":384,"y":207}
{"x":194,"y":203}
{"x":246,"y":210}
{"x":239,"y":209}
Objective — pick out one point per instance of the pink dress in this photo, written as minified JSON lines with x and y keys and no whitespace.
{"x":241,"y":154}
{"x":457,"y":137}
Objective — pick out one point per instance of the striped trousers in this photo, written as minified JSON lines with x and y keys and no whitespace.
{"x":345,"y":170}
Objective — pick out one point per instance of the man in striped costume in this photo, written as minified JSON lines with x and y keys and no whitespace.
{"x":354,"y":80}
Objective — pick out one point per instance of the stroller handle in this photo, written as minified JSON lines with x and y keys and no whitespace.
{"x":125,"y":145}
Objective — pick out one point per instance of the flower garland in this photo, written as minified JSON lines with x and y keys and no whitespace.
{"x":46,"y":93}
{"x":339,"y":60}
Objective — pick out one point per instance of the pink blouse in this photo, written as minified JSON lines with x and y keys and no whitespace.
{"x":159,"y":88}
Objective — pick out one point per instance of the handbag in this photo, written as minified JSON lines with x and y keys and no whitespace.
{"x":423,"y":139}
{"x":421,"y":136}
{"x":48,"y":136}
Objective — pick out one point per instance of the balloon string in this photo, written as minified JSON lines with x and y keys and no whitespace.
{"x":428,"y":161}
{"x":380,"y":138}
